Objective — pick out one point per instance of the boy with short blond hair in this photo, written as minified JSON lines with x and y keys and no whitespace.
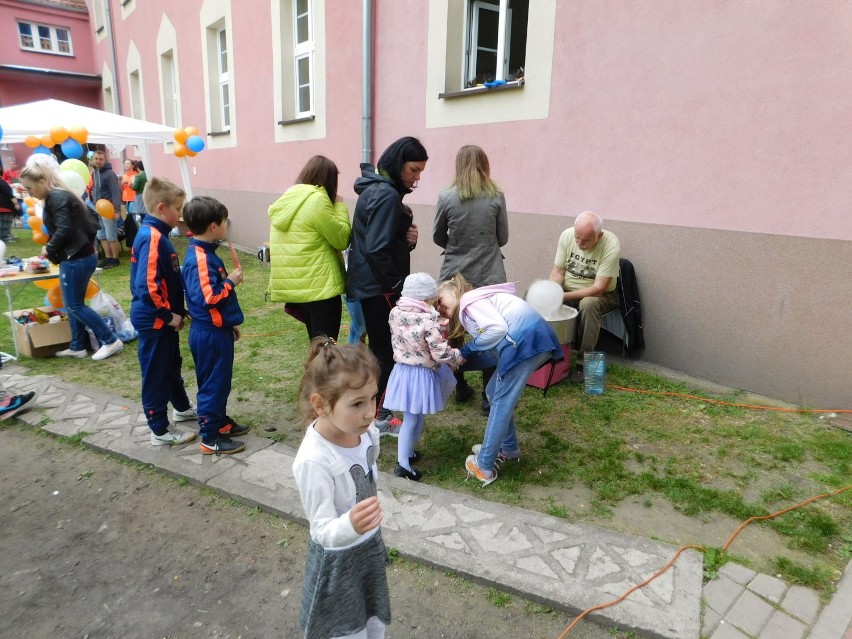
{"x":216,"y":316}
{"x":157,"y":312}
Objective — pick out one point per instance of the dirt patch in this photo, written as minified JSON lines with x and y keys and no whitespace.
{"x":95,"y":547}
{"x":656,"y":518}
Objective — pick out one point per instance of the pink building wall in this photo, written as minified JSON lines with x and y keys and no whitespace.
{"x":712,"y":137}
{"x":82,"y":60}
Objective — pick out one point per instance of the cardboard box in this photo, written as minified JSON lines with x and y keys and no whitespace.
{"x":560,"y":371}
{"x":41,"y":340}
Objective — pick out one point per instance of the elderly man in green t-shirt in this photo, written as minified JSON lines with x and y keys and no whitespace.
{"x":586,"y":265}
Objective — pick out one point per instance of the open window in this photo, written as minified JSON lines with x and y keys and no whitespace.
{"x":495,"y":41}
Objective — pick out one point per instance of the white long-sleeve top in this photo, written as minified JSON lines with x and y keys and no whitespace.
{"x":328,"y":489}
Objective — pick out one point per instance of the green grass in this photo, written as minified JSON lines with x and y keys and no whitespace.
{"x":707,"y":460}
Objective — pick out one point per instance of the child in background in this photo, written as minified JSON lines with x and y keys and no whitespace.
{"x":216,"y":315}
{"x":498,"y":321}
{"x":345,"y":592}
{"x":157,"y":312}
{"x":421,"y":380}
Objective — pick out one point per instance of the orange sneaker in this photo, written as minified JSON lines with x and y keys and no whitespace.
{"x":474,"y":470}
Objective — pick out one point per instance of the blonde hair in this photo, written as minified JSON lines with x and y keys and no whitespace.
{"x":331,"y":370}
{"x":40,"y":172}
{"x":160,"y":190}
{"x":473,"y":174}
{"x":458,"y":286}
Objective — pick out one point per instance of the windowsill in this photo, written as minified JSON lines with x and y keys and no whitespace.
{"x":62,"y":53}
{"x":509,"y":86}
{"x":307,"y":118}
{"x":213,"y":134}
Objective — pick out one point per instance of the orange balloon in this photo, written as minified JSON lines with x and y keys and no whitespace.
{"x":191,"y":153}
{"x":180,"y":135}
{"x":79,"y":133}
{"x":32,"y":141}
{"x":92,"y":289}
{"x":190,"y":131}
{"x":180,"y":150}
{"x":54,"y":297}
{"x":30,"y":200}
{"x":59,"y":134}
{"x":47,"y":284}
{"x":47,"y":141}
{"x":105,"y":209}
{"x":35,"y":223}
{"x":39,"y":237}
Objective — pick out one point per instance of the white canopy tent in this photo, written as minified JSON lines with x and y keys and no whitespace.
{"x":37,"y":118}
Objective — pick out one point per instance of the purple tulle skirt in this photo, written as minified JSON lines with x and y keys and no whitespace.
{"x":419,"y":390}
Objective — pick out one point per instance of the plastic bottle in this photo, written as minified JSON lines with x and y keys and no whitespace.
{"x":594,"y":372}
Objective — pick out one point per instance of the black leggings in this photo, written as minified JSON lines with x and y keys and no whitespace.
{"x":376,"y":312}
{"x":322,"y":317}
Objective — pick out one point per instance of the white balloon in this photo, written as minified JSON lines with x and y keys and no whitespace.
{"x":545,"y":297}
{"x":73,"y":181}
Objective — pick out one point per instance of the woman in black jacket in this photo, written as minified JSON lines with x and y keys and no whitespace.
{"x":71,"y":245}
{"x":383,"y":235}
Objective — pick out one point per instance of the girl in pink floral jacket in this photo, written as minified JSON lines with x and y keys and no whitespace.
{"x":421,"y":380}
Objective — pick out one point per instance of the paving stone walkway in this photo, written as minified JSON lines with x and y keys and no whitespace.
{"x":546,"y":559}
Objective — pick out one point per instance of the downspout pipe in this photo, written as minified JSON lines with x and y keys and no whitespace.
{"x":367,"y":84}
{"x":111,"y":34}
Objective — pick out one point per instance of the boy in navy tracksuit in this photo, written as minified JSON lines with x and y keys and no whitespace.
{"x":216,"y":315}
{"x":157,"y":313}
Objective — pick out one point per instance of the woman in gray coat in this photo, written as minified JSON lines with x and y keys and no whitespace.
{"x":471,"y":225}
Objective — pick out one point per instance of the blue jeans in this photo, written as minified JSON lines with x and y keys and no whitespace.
{"x":356,"y":320}
{"x":503,"y":393}
{"x":74,"y":277}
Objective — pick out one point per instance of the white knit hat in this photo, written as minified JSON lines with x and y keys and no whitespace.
{"x":420,"y":286}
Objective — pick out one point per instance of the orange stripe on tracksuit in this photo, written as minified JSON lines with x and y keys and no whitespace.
{"x":160,"y":299}
{"x":210,"y":298}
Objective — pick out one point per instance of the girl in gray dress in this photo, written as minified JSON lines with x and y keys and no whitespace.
{"x":345,"y":591}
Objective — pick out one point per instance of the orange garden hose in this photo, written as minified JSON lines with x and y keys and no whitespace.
{"x":699,"y":548}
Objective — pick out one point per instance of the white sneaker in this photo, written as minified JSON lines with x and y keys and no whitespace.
{"x":69,"y":352}
{"x":108,"y":350}
{"x":184,"y":415}
{"x":168,"y":438}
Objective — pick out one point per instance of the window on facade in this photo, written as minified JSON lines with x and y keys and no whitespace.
{"x":491,"y":52}
{"x":44,"y":38}
{"x":303,"y":54}
{"x":100,"y":16}
{"x":169,"y":89}
{"x":224,"y":94}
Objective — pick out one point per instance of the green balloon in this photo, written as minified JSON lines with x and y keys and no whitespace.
{"x":77,"y":167}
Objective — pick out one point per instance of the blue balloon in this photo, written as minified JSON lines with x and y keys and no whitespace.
{"x":72,"y":149}
{"x":1,"y":132}
{"x":195,"y":143}
{"x":41,"y":149}
{"x":25,"y":223}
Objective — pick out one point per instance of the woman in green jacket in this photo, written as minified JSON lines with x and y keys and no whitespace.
{"x":309,"y":229}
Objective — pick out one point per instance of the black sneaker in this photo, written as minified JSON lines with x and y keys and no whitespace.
{"x":413,"y":475}
{"x":103,"y":262}
{"x":415,"y":457}
{"x":111,"y":262}
{"x":233,"y":429}
{"x":221,"y":446}
{"x":16,"y":403}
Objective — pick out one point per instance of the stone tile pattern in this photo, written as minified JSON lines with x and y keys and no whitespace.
{"x":743,"y":603}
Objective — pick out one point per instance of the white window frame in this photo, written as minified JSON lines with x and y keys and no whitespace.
{"x":223,"y":79}
{"x":171,"y":96}
{"x":303,"y":51}
{"x":504,"y":20}
{"x":53,"y":37}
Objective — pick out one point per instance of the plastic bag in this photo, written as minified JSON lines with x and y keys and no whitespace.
{"x":105,"y":305}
